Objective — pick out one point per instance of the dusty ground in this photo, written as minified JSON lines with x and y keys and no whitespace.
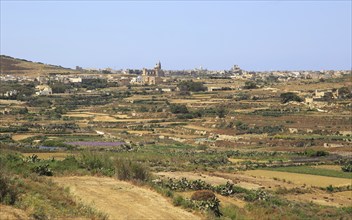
{"x":122,"y":200}
{"x":11,"y":213}
{"x":338,"y":199}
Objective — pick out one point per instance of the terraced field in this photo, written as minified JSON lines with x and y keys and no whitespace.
{"x":301,"y":179}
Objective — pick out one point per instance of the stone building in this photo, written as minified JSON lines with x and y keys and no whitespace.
{"x":43,"y":90}
{"x":152,"y":76}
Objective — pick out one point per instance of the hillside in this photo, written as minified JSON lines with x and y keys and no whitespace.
{"x":15,"y":66}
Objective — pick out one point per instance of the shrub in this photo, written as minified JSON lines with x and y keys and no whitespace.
{"x":229,"y":189}
{"x":313,"y":153}
{"x":250,"y":85}
{"x":43,"y":170}
{"x":330,"y":188}
{"x":129,"y":170}
{"x":190,"y":86}
{"x":33,"y":159}
{"x":97,"y":162}
{"x":221,"y":112}
{"x":347,"y":167}
{"x":290,"y":96}
{"x":177,"y":201}
{"x":178,"y":109}
{"x":212,"y":205}
{"x":256,"y":195}
{"x":203,"y":195}
{"x":8,"y":191}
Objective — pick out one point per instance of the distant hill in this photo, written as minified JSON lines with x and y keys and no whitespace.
{"x":15,"y":66}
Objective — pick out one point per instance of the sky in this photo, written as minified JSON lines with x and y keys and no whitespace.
{"x":256,"y":35}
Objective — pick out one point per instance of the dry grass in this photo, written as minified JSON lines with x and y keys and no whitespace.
{"x":45,"y":156}
{"x":338,"y":199}
{"x":122,"y":200}
{"x":329,"y":167}
{"x":196,"y":127}
{"x":105,"y":118}
{"x":300,"y":179}
{"x":9,"y":212}
{"x":18,"y":137}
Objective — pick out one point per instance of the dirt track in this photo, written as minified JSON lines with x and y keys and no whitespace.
{"x":121,"y":200}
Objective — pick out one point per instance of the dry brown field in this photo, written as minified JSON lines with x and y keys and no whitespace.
{"x":301,"y":179}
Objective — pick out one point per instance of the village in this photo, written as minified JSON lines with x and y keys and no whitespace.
{"x":249,"y":138}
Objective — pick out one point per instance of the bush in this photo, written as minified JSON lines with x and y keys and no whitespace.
{"x":221,"y":112}
{"x":250,"y":85}
{"x":178,"y":109}
{"x":212,"y":205}
{"x":229,"y":189}
{"x":128,"y":170}
{"x":43,"y":170}
{"x":313,"y":153}
{"x":190,"y":86}
{"x":8,"y":191}
{"x":330,"y":188}
{"x":97,"y":163}
{"x":177,"y":201}
{"x":290,"y":96}
{"x":347,"y":167}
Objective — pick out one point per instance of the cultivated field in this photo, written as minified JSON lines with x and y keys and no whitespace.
{"x":193,"y":146}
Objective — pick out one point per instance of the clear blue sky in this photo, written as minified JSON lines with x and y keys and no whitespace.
{"x":257,"y":35}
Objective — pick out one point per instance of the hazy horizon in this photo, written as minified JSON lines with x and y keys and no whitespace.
{"x":259,"y":36}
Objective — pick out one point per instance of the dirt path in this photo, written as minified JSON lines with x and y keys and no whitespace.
{"x":122,"y":200}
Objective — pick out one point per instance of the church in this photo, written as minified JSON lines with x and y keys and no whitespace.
{"x":152,"y":76}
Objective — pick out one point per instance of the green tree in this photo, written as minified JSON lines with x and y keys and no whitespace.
{"x":290,"y":96}
{"x":250,"y":85}
{"x":190,"y":86}
{"x":178,"y":109}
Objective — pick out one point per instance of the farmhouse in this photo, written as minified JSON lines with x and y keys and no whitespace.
{"x":75,"y":80}
{"x":43,"y":90}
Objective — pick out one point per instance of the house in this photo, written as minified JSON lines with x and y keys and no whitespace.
{"x":75,"y":80}
{"x":43,"y":90}
{"x":136,"y":80}
{"x":124,"y":81}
